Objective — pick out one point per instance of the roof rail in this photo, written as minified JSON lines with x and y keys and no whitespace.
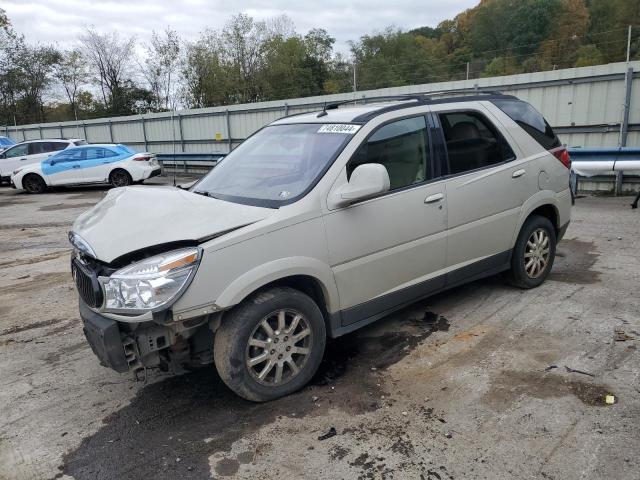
{"x":334,"y":105}
{"x":476,"y":91}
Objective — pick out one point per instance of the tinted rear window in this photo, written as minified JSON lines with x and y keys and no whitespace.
{"x":124,"y":149}
{"x":530,"y":120}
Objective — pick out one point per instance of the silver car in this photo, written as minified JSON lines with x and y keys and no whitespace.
{"x":315,"y":226}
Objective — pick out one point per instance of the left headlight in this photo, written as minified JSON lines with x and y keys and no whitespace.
{"x":150,"y":283}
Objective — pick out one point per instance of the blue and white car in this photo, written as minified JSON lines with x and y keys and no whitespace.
{"x":5,"y":142}
{"x":117,"y":165}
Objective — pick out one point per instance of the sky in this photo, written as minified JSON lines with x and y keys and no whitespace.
{"x":61,"y":21}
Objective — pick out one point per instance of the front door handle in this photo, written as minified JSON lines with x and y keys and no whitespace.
{"x":76,"y":166}
{"x":436,"y":197}
{"x":23,"y":159}
{"x":518,"y":173}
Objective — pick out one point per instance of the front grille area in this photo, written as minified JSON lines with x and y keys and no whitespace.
{"x":87,"y":284}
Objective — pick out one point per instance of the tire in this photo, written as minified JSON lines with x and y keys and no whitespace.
{"x":531,"y":270}
{"x":233,"y":354}
{"x":33,"y":183}
{"x":120,"y":178}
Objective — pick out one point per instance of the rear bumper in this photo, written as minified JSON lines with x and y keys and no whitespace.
{"x":562,"y":230}
{"x":154,"y":173}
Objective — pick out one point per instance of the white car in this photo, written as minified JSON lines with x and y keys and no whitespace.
{"x":31,"y":152}
{"x":118,"y":165}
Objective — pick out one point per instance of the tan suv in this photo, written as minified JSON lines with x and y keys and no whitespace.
{"x":315,"y":226}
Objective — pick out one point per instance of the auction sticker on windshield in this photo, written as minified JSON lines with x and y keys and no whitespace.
{"x":339,"y":128}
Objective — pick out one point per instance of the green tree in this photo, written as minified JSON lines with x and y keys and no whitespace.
{"x":588,"y":55}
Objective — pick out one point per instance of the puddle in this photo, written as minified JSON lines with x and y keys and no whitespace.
{"x":509,"y":386}
{"x":171,"y":419}
{"x":574,"y":263}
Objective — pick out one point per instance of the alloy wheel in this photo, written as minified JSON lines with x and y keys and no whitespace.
{"x":120,"y":179}
{"x":536,"y":253}
{"x":279,"y":347}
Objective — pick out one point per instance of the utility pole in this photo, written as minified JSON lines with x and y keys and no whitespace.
{"x":355,"y":84}
{"x":629,"y":44}
{"x":467,"y":70}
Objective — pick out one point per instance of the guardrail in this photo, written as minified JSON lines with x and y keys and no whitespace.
{"x":196,"y":163}
{"x":599,"y":164}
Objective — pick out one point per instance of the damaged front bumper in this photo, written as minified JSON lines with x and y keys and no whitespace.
{"x":127,"y":347}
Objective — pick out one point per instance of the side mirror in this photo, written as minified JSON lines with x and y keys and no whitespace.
{"x":366,"y":181}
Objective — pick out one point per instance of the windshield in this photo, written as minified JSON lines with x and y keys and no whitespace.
{"x":277,"y":165}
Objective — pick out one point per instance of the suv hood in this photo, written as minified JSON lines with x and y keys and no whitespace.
{"x":133,"y":218}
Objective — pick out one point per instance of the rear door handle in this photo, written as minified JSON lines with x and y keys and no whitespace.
{"x":518,"y":173}
{"x":23,"y":159}
{"x":76,"y":166}
{"x":436,"y":197}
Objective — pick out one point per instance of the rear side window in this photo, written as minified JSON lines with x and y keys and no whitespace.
{"x":124,"y":149}
{"x":530,"y":120}
{"x":38,"y":147}
{"x":473,"y":142}
{"x":402,"y":148}
{"x":98,"y":152}
{"x":57,"y":146}
{"x":46,"y":147}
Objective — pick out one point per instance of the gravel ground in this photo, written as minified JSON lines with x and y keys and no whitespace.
{"x":458,"y":386}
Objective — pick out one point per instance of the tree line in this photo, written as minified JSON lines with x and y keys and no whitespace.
{"x":108,"y":74}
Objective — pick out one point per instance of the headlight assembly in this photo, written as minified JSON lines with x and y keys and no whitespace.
{"x":150,"y":283}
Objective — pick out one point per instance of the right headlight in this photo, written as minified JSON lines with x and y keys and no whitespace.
{"x":150,"y":283}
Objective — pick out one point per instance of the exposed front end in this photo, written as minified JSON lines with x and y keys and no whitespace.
{"x":126,"y":312}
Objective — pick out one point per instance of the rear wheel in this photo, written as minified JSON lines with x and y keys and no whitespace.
{"x":270,"y":345}
{"x":33,"y":183}
{"x":534,"y":253}
{"x":120,"y":178}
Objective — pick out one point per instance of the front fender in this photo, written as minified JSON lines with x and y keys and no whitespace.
{"x":269,"y":272}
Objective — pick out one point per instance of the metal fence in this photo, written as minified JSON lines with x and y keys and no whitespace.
{"x":588,"y":106}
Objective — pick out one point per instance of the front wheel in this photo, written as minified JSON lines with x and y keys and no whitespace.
{"x":534,"y":253}
{"x":33,"y":183}
{"x":270,"y":345}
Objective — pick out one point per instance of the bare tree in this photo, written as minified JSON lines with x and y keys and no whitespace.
{"x":71,"y":72}
{"x":160,"y":65}
{"x":111,"y":58}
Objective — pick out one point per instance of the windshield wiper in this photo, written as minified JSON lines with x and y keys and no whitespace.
{"x":203,"y":193}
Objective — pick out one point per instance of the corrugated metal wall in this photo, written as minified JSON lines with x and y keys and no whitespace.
{"x":585,"y":105}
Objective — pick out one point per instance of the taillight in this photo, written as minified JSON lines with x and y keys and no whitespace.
{"x":562,"y":154}
{"x":142,"y":158}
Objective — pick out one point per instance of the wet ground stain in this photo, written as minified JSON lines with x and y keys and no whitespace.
{"x":40,"y":282}
{"x":508,"y":386}
{"x":171,"y":419}
{"x":66,"y":206}
{"x":574,"y":263}
{"x":62,"y":354}
{"x":31,"y":326}
{"x":37,"y":259}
